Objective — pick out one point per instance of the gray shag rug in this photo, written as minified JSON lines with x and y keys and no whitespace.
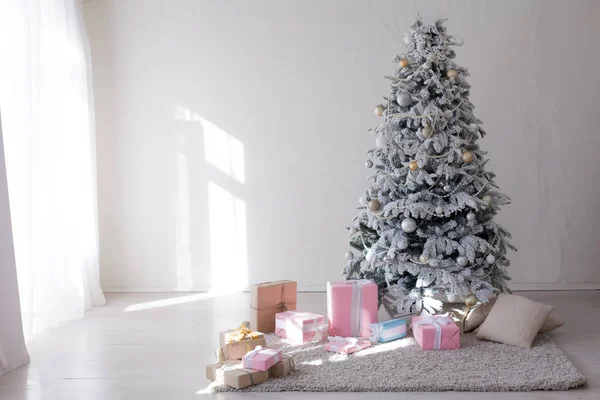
{"x":401,"y":366}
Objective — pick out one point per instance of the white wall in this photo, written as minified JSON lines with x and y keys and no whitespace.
{"x":292,"y":85}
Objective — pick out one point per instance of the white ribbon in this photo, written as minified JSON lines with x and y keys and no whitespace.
{"x":357,"y":306}
{"x":379,"y":331}
{"x":376,"y":331}
{"x":251,"y":354}
{"x":437,"y":323}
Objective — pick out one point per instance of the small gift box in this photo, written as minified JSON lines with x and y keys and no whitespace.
{"x":283,"y":367}
{"x":235,"y":343}
{"x":351,"y":307}
{"x":300,"y":327}
{"x":261,"y":359}
{"x":346,"y":345}
{"x":211,"y":369}
{"x":436,"y":332}
{"x":240,"y":378}
{"x":232,"y":373}
{"x":388,"y":330}
{"x":268,"y":299}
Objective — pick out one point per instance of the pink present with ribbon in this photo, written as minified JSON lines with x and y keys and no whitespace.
{"x":351,"y":307}
{"x":300,"y":327}
{"x":261,"y":359}
{"x":436,"y":332}
{"x":346,"y":345}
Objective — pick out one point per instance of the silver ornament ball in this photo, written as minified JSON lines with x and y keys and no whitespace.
{"x":490,"y":259}
{"x":379,"y":110}
{"x":368,"y":163}
{"x":439,"y":210}
{"x":447,"y":188}
{"x":370,"y":255}
{"x":471,"y":216}
{"x":409,"y":225}
{"x":349,"y":256}
{"x":381,"y":141}
{"x":462,"y":261}
{"x":404,"y":99}
{"x":408,"y":39}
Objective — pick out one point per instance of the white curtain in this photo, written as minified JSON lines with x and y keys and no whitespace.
{"x":47,"y":111}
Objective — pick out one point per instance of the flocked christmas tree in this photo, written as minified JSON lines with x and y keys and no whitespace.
{"x":426,"y":223}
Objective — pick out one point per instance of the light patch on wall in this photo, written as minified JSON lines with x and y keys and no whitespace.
{"x":228,"y":253}
{"x":223,"y":151}
{"x":226,"y":211}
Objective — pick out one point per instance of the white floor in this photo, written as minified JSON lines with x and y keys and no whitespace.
{"x":155,"y":346}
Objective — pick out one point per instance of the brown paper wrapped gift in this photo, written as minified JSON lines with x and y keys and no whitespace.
{"x":282,"y":368}
{"x":232,"y":374}
{"x":211,"y":370}
{"x":240,"y":378}
{"x":235,"y":343}
{"x":268,"y":299}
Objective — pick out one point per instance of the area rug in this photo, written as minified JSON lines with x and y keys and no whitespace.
{"x":402,"y":366}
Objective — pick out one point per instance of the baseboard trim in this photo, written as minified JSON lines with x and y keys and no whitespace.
{"x":517,"y":287}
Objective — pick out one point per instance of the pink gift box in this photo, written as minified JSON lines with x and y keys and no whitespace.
{"x":299,"y":327}
{"x":351,"y":307}
{"x":436,"y":332}
{"x":348,"y":345}
{"x":261,"y":359}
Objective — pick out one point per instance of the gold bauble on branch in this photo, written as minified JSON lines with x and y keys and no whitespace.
{"x":427,"y":132}
{"x":488,"y":199}
{"x":404,"y":63}
{"x":374,"y":205}
{"x":467,"y":156}
{"x":413,"y":165}
{"x":452,"y":74}
{"x":379,"y":110}
{"x":471,"y":300}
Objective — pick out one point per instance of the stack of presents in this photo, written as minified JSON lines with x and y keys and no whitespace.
{"x":352,"y":325}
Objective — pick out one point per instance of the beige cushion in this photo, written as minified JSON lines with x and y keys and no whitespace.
{"x":481,"y":311}
{"x":514,"y":320}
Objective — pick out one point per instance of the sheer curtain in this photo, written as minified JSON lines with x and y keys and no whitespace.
{"x":47,"y":112}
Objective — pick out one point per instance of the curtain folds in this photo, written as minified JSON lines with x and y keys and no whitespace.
{"x":47,"y":110}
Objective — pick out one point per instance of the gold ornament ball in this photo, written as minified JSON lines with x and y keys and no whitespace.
{"x":470,"y":300}
{"x":427,"y":132}
{"x":452,"y":74}
{"x":467,"y":157}
{"x":404,"y":63}
{"x":379,"y":110}
{"x":413,"y":165}
{"x":488,"y":199}
{"x":374,"y":205}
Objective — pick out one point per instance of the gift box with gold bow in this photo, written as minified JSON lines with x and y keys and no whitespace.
{"x":268,"y":299}
{"x":235,"y":343}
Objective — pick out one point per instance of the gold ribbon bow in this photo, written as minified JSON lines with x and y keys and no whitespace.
{"x":242,"y":333}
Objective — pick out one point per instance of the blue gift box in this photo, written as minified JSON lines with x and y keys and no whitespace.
{"x":388,"y":330}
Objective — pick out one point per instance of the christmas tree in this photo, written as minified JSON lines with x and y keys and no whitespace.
{"x":426,"y":225}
